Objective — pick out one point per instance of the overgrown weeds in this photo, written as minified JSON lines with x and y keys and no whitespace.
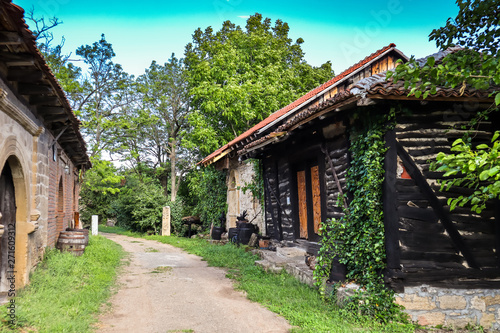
{"x":66,"y":292}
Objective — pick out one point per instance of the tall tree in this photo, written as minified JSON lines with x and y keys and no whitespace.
{"x":238,"y":77}
{"x":106,"y":90}
{"x":160,"y":121}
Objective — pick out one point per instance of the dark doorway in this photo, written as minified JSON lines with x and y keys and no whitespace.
{"x":8,"y":220}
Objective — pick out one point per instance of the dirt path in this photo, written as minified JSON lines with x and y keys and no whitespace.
{"x":167,"y":290}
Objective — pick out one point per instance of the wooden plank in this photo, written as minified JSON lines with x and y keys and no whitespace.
{"x":316,"y":198}
{"x":24,"y":75}
{"x":10,"y":38}
{"x":422,"y":214}
{"x":443,"y":216}
{"x":302,"y":195}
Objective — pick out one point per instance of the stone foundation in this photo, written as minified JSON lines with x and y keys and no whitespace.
{"x":452,"y":307}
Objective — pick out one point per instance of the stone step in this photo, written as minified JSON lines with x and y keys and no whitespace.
{"x":294,"y":264}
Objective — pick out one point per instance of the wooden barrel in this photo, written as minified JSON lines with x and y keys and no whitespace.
{"x":85,"y":232}
{"x":72,"y":241}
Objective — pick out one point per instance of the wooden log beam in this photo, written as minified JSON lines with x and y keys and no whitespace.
{"x":24,"y":75}
{"x":44,"y":100}
{"x":391,"y":218}
{"x":443,"y":216}
{"x":51,"y":109}
{"x":10,"y":56}
{"x":56,"y":117}
{"x":33,"y":89}
{"x":10,"y":38}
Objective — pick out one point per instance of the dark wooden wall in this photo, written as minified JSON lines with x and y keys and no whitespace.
{"x":280,"y":167}
{"x":452,"y":248}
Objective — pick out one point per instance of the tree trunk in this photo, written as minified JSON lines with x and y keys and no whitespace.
{"x":173,"y":175}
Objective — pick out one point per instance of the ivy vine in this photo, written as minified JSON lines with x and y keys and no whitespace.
{"x":358,"y":237}
{"x":256,"y":186}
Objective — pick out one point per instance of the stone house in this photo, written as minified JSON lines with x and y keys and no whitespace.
{"x":443,"y":265}
{"x":42,"y":153}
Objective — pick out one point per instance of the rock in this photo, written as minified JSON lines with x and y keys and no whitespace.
{"x":291,"y":252}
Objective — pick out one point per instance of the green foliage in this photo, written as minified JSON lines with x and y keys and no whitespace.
{"x":99,"y":188}
{"x":237,"y":77}
{"x":475,"y":28}
{"x":479,"y":169}
{"x":66,"y":292}
{"x":358,"y":238}
{"x":209,"y":187}
{"x":107,"y":90}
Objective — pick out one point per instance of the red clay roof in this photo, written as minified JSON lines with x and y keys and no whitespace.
{"x":294,"y":104}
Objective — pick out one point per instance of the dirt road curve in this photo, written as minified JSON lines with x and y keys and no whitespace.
{"x":167,"y":290}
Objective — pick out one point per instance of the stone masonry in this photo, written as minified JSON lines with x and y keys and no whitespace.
{"x":452,"y":307}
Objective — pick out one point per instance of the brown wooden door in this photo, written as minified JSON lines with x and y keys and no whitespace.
{"x":8,"y":220}
{"x":309,"y":201}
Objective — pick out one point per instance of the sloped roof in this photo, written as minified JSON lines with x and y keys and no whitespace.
{"x":378,"y":86}
{"x":12,"y":21}
{"x":302,"y":100}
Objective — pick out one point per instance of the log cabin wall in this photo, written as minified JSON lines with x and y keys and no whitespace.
{"x":339,"y":156}
{"x":304,"y":155}
{"x":437,"y":246}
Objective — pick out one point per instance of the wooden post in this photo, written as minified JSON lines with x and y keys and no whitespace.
{"x":95,"y":224}
{"x":391,"y":218}
{"x":165,"y":225}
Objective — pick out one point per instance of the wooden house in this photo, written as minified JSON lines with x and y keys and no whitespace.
{"x":443,"y":264}
{"x":42,"y":153}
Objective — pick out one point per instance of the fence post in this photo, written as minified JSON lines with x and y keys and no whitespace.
{"x":95,"y":220}
{"x":165,"y":225}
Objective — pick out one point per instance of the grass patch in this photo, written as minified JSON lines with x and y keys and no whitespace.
{"x":281,"y":293}
{"x":65,"y":292}
{"x":162,"y":269}
{"x":150,"y":249}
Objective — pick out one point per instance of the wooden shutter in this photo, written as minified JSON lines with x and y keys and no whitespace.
{"x":316,"y":198}
{"x":302,"y":196}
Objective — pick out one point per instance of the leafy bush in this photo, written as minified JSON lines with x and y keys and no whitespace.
{"x":208,"y":186}
{"x":99,"y":189}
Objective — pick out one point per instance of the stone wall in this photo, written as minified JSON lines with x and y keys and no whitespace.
{"x":240,"y":174}
{"x":27,"y":147}
{"x":452,"y":307}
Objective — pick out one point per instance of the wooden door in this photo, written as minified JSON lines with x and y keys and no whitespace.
{"x":8,"y":219}
{"x":309,"y":201}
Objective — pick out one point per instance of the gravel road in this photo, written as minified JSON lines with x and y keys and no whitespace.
{"x":164,"y":289}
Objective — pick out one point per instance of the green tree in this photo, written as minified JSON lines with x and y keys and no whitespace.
{"x":238,"y":77}
{"x":163,"y":117}
{"x":476,"y":29}
{"x":106,"y":90}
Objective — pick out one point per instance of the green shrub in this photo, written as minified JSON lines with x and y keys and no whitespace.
{"x":209,"y":188}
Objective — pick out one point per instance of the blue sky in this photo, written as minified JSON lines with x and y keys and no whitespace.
{"x":340,"y":31}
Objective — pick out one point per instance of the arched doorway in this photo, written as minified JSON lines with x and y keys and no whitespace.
{"x":8,"y":221}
